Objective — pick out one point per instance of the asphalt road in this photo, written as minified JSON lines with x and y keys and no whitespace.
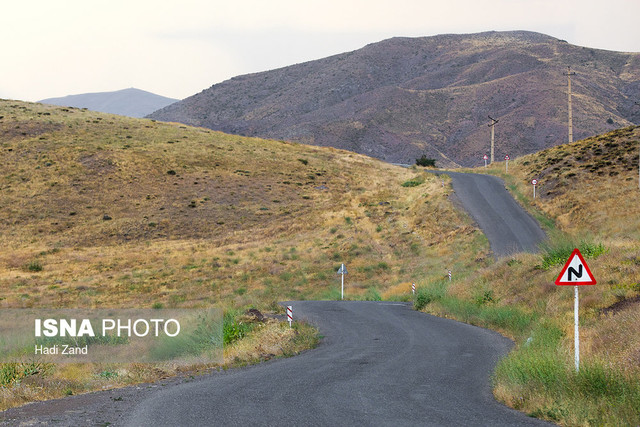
{"x":379,"y":364}
{"x":508,"y":227}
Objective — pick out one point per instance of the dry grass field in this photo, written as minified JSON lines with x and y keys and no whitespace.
{"x":98,"y":210}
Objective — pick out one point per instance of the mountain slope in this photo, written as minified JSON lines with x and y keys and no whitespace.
{"x":126,"y":102}
{"x":403,"y":97}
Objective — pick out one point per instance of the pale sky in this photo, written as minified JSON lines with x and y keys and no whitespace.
{"x":53,"y":48}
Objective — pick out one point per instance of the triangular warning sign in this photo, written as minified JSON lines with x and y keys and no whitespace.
{"x":342,"y":270}
{"x":575,"y":271}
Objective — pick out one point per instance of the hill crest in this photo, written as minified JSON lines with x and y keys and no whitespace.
{"x":129,"y":102}
{"x":403,"y":97}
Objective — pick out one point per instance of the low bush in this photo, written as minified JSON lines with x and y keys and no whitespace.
{"x":426,"y":161}
{"x":234,"y":329}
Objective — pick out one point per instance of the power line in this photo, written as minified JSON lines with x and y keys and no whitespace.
{"x":638,"y":103}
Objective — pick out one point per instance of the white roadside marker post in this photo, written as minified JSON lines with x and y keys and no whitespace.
{"x":449,"y":275}
{"x":534,"y":182}
{"x":290,"y":314}
{"x":413,"y":288}
{"x":576,"y":272}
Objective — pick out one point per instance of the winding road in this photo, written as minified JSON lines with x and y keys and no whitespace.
{"x":508,"y":227}
{"x":379,"y":363}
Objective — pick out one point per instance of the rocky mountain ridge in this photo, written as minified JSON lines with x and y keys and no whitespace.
{"x":404,"y":97}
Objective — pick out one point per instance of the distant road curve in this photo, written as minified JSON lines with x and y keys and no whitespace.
{"x":508,"y":227}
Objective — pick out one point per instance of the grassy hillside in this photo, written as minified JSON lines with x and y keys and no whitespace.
{"x":105,"y":211}
{"x":100,"y":209}
{"x":588,"y":197}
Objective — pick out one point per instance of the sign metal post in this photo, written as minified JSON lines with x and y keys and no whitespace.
{"x":576,"y":272}
{"x":342,"y":270}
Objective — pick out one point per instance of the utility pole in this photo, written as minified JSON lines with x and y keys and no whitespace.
{"x":569,"y":73}
{"x":637,"y":103}
{"x":492,"y":125}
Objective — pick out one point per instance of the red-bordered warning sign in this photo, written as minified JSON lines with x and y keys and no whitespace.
{"x":576,"y":271}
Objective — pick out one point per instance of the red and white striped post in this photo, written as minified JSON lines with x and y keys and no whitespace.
{"x":449,"y":275}
{"x":413,"y":288}
{"x":290,"y":314}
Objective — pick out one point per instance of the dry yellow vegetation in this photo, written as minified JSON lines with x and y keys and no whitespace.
{"x":101,"y":210}
{"x":98,"y":210}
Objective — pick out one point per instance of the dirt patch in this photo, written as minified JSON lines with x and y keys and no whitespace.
{"x":620,"y":305}
{"x":26,"y":129}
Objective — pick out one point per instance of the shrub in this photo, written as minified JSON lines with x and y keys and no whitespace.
{"x":422,"y":299}
{"x":234,"y":329}
{"x":426,"y":161}
{"x":426,"y":295}
{"x":13,"y":372}
{"x":34,"y":266}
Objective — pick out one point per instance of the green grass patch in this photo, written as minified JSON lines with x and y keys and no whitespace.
{"x":540,"y":370}
{"x":234,"y":329}
{"x":11,"y":373}
{"x":428,"y":294}
{"x":414,"y":182}
{"x":558,"y":249}
{"x":372,"y":294}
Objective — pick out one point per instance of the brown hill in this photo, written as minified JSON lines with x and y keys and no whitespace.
{"x":404,"y":97}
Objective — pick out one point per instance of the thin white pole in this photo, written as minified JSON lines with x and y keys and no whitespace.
{"x":576,"y":330}
{"x":342,"y":285}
